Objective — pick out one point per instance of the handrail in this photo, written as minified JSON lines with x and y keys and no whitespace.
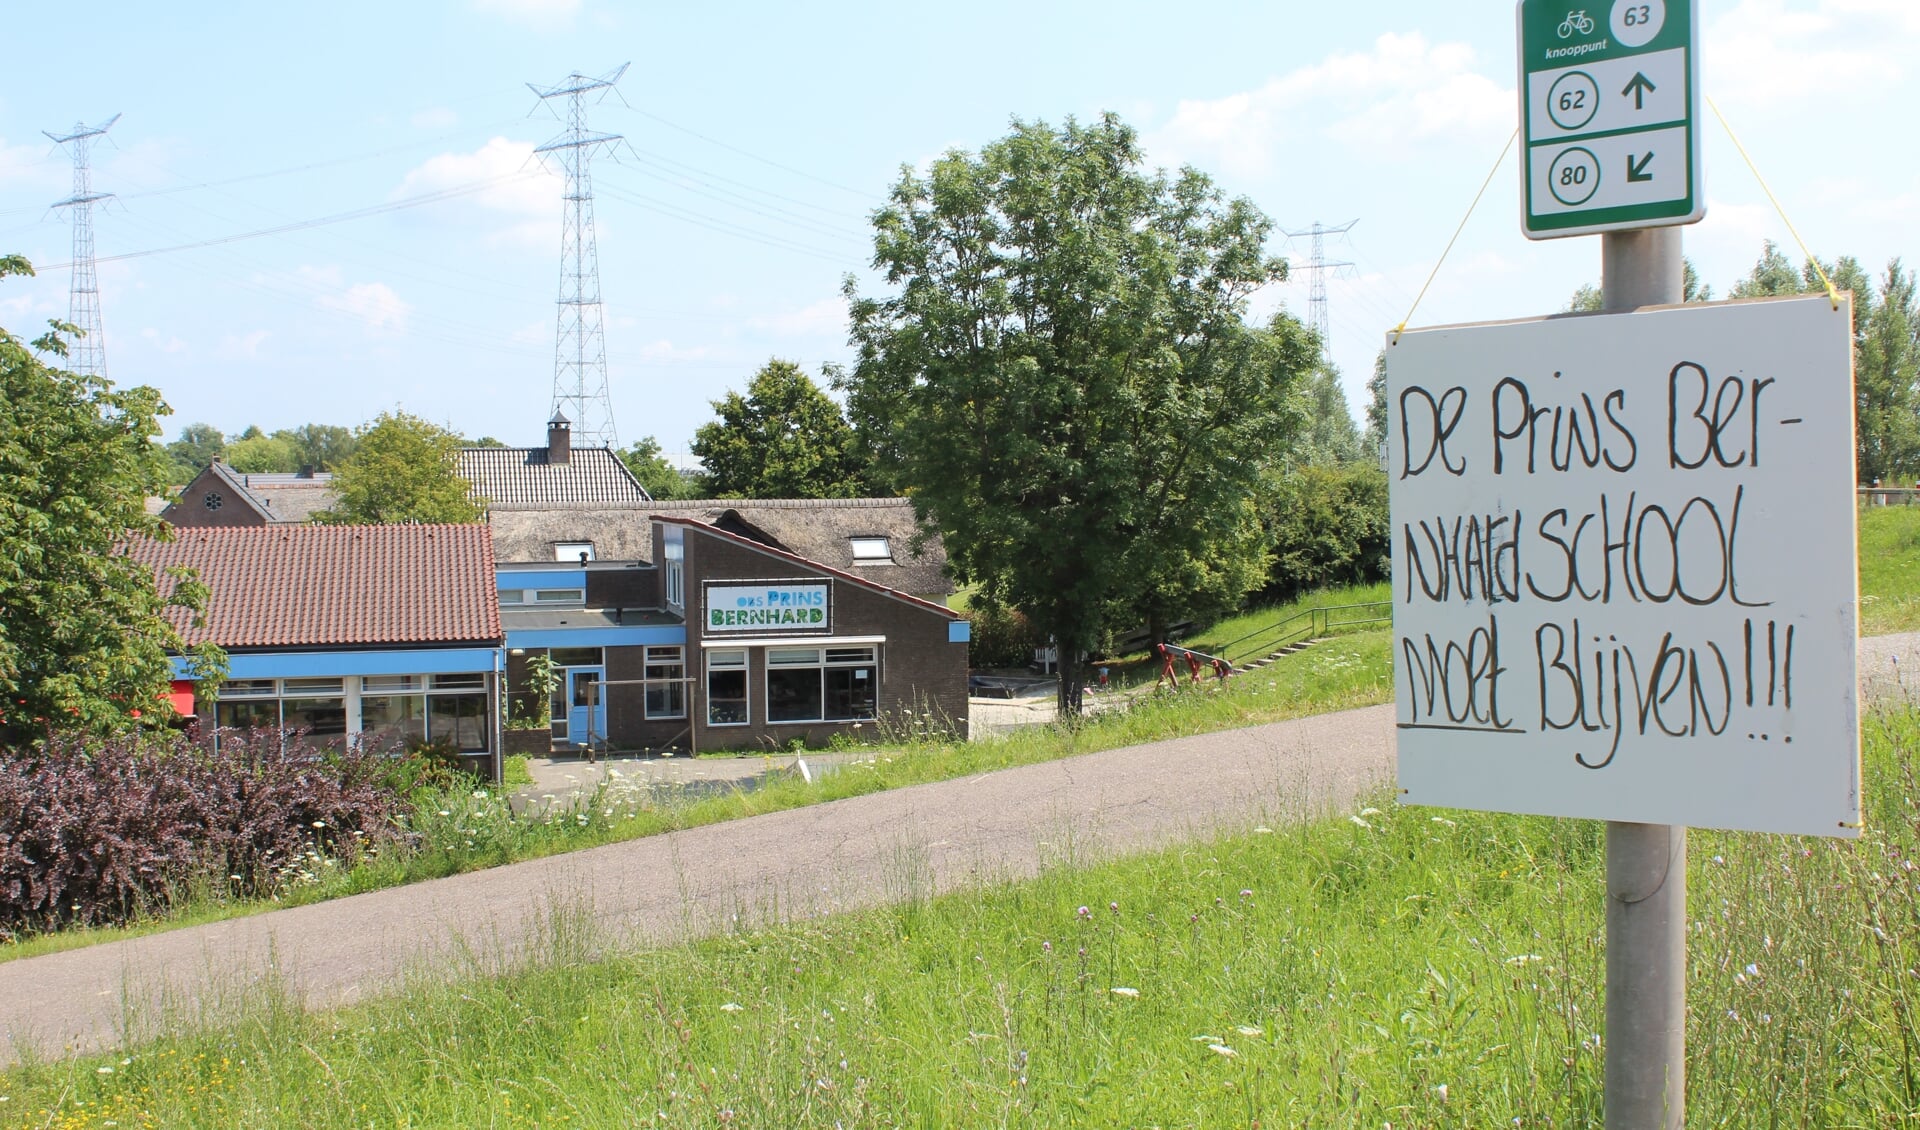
{"x":1320,"y":620}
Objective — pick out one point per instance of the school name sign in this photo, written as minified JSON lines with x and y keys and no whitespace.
{"x":1623,"y":562}
{"x":740,"y":608}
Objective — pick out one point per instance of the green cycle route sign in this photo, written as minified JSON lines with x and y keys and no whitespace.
{"x":1609,"y":110}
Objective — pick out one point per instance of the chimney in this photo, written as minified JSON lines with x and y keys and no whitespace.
{"x":559,"y":439}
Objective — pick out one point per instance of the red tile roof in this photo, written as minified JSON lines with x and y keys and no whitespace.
{"x":306,"y":586}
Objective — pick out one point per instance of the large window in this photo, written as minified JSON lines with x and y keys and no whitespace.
{"x":666,"y":698}
{"x":727,"y":687}
{"x":811,"y":684}
{"x":394,"y":710}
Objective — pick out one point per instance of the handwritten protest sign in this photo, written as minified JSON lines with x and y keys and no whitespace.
{"x":1623,"y":566}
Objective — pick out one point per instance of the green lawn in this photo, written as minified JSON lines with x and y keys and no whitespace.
{"x":1889,"y":569}
{"x":1385,"y":966}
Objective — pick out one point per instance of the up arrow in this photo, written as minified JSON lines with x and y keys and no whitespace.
{"x":1638,"y":87}
{"x":1637,"y":170}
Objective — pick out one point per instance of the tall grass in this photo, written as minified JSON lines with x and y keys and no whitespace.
{"x":1385,"y":966}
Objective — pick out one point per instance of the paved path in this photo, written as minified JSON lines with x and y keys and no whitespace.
{"x":810,"y":861}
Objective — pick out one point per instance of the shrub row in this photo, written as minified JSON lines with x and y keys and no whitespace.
{"x":97,"y":832}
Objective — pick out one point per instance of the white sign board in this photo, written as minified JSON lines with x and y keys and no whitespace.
{"x":1623,"y":566}
{"x":774,"y":606}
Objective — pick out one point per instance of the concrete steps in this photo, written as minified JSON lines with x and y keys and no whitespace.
{"x":1274,"y":656}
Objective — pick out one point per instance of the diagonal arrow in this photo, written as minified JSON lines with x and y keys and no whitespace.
{"x":1637,"y":170}
{"x":1639,"y":86}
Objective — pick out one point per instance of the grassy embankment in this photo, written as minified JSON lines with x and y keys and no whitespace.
{"x":464,"y":831}
{"x":1889,"y":570}
{"x":1405,"y":967}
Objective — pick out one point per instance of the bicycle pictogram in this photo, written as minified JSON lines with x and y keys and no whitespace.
{"x":1576,"y":21}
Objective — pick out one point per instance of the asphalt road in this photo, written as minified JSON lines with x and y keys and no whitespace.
{"x":806,"y":862}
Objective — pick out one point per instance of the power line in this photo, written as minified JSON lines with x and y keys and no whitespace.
{"x":321,"y":221}
{"x":753,"y":156}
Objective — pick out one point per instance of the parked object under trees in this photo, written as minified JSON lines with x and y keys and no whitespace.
{"x":1063,"y":379}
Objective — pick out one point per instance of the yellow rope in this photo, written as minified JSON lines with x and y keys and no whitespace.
{"x":1833,"y":295}
{"x":1401,"y":328}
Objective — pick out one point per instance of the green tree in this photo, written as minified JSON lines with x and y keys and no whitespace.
{"x":403,"y":469}
{"x":1329,"y":526}
{"x":1064,"y":381}
{"x":323,"y":447}
{"x":784,"y":439}
{"x":1885,"y":356}
{"x":1376,"y":436}
{"x":1330,"y":435}
{"x":84,"y":635}
{"x":197,"y":446}
{"x":660,"y":478}
{"x":262,"y":454}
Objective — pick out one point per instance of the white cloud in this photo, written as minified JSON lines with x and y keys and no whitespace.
{"x":242,"y":347}
{"x":437,"y":117}
{"x":373,"y":303}
{"x":1405,"y":90}
{"x":540,"y":13}
{"x":664,"y":352}
{"x":524,"y":190}
{"x":169,"y":344}
{"x":825,"y":318}
{"x":1761,"y":54}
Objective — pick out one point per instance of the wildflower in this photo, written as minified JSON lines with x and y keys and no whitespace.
{"x":1123,"y":991}
{"x":1369,"y":811}
{"x":1441,"y":1090}
{"x":1523,"y":958}
{"x":1753,"y":970}
{"x":1114,"y":906}
{"x":1046,"y":947}
{"x":1263,"y":830}
{"x":1245,"y":893}
{"x":1358,"y":819}
{"x":104,"y":1070}
{"x":1249,"y":1031}
{"x":444,"y":812}
{"x":1223,"y":1051}
{"x":1084,"y":912}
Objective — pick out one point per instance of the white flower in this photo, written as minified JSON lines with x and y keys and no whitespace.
{"x":1523,"y":958}
{"x":104,"y":1070}
{"x":1223,"y":1051}
{"x":1123,"y":991}
{"x":1248,"y":1030}
{"x":1441,"y":1090}
{"x":1263,"y":830}
{"x":732,"y":1007}
{"x":1369,"y":811}
{"x":1357,"y":820}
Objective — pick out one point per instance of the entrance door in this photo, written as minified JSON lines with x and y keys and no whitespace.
{"x":581,"y":729}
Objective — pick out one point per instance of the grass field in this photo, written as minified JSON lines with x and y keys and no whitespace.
{"x":1889,"y":569}
{"x":1386,"y":966}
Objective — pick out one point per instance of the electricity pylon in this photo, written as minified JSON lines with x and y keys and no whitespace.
{"x":88,"y":356}
{"x":580,"y":347}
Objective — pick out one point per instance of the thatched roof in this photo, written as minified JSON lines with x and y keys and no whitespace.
{"x":820,"y":530}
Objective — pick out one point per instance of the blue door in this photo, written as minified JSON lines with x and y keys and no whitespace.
{"x":582,"y":729}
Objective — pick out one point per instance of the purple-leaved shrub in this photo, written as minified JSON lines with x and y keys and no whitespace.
{"x":96,"y":832}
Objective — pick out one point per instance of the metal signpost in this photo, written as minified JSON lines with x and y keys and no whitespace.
{"x":1586,"y":622}
{"x":1609,"y":104}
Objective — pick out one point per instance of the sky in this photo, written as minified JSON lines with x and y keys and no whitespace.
{"x":759,"y":138}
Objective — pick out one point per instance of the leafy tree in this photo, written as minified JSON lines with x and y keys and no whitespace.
{"x":784,"y":439}
{"x":1330,"y":527}
{"x":1885,"y":356}
{"x":489,"y":441}
{"x":1376,"y":436}
{"x":262,"y":454}
{"x":1330,"y":435}
{"x":1064,"y":381}
{"x":403,"y":469}
{"x":197,"y":446}
{"x":84,"y":638}
{"x":323,"y":447}
{"x":660,"y":478}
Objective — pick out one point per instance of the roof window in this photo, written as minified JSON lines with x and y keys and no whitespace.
{"x":581,"y":551}
{"x":871,"y":549}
